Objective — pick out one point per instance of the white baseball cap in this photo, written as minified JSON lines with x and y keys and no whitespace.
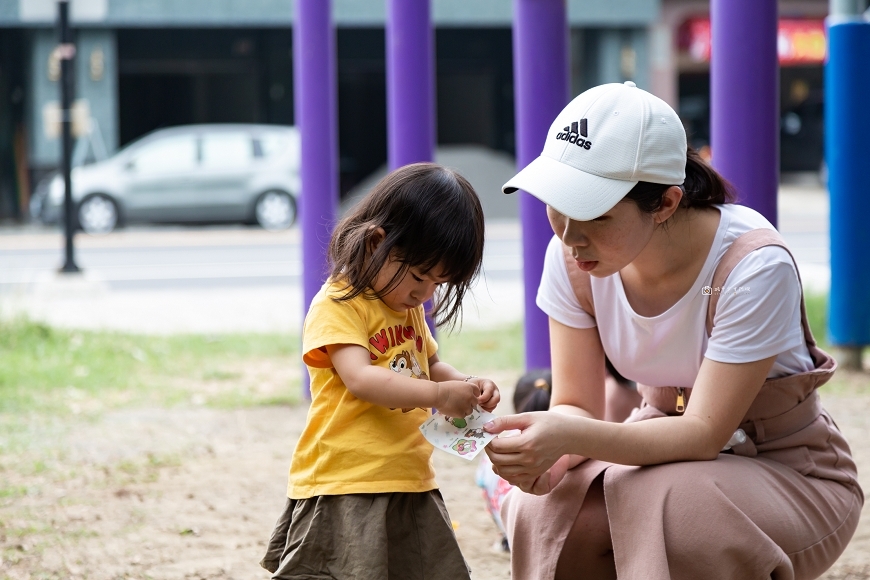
{"x":601,"y":144}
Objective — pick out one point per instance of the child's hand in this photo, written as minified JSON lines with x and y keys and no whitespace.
{"x":489,"y":394}
{"x":457,"y":398}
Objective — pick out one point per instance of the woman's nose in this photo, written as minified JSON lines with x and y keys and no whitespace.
{"x":573,"y":234}
{"x":568,"y":230}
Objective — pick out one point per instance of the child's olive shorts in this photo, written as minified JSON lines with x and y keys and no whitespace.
{"x":376,"y":536}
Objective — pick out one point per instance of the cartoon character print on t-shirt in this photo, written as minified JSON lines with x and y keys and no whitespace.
{"x":405,"y":362}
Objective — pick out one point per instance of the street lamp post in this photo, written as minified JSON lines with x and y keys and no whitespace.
{"x":66,"y":51}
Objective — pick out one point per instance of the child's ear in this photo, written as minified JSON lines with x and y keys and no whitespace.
{"x":376,"y":236}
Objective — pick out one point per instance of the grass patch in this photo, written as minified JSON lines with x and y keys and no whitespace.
{"x":46,"y":369}
{"x":13,"y":491}
{"x":848,"y":384}
{"x":817,"y":316}
{"x":474,"y":351}
{"x":49,"y":375}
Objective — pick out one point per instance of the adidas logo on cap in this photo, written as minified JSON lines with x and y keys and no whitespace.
{"x":576,"y":134}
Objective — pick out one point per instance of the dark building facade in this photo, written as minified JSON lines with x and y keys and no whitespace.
{"x":145,"y":65}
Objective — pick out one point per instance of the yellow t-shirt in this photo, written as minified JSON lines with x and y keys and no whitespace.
{"x":349,"y":445}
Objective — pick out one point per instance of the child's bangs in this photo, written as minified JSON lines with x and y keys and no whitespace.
{"x":452,"y":252}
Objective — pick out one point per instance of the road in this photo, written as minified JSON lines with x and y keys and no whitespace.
{"x":242,"y":279}
{"x":196,"y":279}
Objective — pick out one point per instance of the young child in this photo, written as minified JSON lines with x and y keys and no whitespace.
{"x":362,"y":498}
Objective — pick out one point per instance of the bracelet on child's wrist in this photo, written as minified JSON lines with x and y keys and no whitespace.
{"x":469,"y":377}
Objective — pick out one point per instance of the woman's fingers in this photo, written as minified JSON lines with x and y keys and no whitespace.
{"x":508,"y":423}
{"x":505,"y":445}
{"x":525,"y":458}
{"x":504,"y":461}
{"x":510,"y":466}
{"x":541,"y":485}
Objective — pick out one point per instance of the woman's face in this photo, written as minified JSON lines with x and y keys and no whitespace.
{"x":609,"y":243}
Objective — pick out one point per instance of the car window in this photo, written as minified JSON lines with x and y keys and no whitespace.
{"x":226,"y":150}
{"x":274,"y":142}
{"x":167,"y":155}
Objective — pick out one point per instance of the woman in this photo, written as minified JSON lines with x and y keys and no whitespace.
{"x":742,"y":474}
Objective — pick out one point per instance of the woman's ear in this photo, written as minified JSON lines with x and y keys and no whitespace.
{"x":670,"y":203}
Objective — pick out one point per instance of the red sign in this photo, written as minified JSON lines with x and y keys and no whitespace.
{"x":798,"y":41}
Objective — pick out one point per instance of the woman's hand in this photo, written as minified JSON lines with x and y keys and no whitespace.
{"x":551,"y":478}
{"x":489,"y":394}
{"x":535,"y":460}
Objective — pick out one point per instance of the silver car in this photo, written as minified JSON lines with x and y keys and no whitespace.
{"x":191,"y":173}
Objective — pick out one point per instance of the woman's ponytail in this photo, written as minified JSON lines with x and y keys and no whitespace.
{"x":703,"y":187}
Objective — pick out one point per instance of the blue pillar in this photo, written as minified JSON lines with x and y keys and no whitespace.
{"x":314,"y":86}
{"x":744,"y":100}
{"x":410,"y":87}
{"x":847,"y":151}
{"x":541,"y":81}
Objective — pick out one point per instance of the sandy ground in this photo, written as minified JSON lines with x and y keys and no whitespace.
{"x":193,"y":493}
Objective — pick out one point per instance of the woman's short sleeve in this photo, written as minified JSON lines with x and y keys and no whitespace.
{"x":555,"y":295}
{"x":758,"y":314}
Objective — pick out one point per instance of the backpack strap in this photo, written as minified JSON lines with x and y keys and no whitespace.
{"x":581,"y":283}
{"x":740,"y":248}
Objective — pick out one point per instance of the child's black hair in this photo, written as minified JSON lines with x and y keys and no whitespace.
{"x":532,"y":392}
{"x":432,"y":218}
{"x":533,"y":389}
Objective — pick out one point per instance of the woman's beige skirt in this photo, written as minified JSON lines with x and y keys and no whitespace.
{"x":786,"y":513}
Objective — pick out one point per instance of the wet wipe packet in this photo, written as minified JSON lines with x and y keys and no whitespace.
{"x":463,"y":437}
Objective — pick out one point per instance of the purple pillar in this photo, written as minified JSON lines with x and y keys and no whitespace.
{"x":314,"y":95}
{"x":410,"y":86}
{"x":540,"y":38}
{"x":744,"y":100}
{"x":410,"y":83}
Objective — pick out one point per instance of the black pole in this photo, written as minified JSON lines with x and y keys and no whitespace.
{"x":66,"y":52}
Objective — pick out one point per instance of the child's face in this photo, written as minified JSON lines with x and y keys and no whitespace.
{"x":415,"y":287}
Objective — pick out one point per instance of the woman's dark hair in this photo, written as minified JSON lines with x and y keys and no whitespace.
{"x":432,"y":218}
{"x":703,"y":187}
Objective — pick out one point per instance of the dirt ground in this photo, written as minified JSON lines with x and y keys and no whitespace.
{"x":193,"y":493}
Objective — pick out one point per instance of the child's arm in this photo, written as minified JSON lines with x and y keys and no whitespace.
{"x":381,"y":386}
{"x":489,"y":394}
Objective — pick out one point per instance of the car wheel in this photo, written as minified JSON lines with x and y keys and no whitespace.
{"x":275,"y":210}
{"x":98,"y":214}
